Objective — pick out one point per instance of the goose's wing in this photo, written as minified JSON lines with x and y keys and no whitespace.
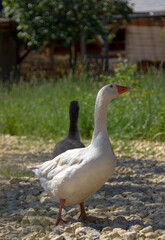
{"x":51,"y":168}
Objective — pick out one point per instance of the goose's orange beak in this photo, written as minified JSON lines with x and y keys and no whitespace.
{"x":122,"y":89}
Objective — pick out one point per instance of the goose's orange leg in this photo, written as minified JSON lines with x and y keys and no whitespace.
{"x":83,"y":215}
{"x":59,"y":218}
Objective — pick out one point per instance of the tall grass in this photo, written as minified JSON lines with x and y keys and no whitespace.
{"x":41,"y":109}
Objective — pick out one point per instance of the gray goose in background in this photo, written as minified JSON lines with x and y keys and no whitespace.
{"x":72,"y":139}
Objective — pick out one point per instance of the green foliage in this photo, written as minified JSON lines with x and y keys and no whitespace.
{"x":41,"y":109}
{"x":163,"y":32}
{"x":123,"y":71}
{"x":67,"y":21}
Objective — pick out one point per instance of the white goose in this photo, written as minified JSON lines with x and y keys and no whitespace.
{"x":73,"y":176}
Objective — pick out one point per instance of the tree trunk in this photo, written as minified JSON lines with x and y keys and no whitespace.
{"x":106,"y":47}
{"x":23,"y":56}
{"x":106,"y":69}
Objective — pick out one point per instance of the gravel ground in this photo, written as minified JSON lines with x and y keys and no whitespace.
{"x":131,"y":205}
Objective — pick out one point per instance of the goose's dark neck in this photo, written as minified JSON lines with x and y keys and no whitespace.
{"x":73,"y":128}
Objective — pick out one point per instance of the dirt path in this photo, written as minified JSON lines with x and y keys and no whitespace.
{"x":131,"y":205}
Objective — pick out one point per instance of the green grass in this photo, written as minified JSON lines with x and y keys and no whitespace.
{"x":41,"y":109}
{"x":7,"y":172}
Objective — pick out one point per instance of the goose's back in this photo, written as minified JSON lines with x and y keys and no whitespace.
{"x":75,"y":174}
{"x":65,"y":145}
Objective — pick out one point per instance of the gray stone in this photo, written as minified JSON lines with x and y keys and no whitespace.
{"x":105,"y":229}
{"x":58,"y":238}
{"x":146,"y":230}
{"x":130,"y":236}
{"x":73,"y":211}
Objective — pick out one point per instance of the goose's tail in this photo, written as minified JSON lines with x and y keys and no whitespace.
{"x":34,"y":169}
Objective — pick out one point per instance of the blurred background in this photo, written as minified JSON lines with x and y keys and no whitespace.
{"x":53,"y":36}
{"x":56,"y":51}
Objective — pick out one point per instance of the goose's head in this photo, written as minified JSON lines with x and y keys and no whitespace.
{"x":111,"y":91}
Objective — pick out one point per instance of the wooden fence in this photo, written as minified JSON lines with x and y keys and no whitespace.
{"x":94,"y":63}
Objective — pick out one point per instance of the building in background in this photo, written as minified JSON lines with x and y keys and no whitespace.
{"x":144,"y":41}
{"x":8,"y":49}
{"x":141,"y":41}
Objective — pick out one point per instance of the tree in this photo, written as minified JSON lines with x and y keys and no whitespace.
{"x":62,"y":20}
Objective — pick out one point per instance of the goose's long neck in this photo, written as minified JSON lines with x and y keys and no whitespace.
{"x":73,"y":128}
{"x":100,"y":117}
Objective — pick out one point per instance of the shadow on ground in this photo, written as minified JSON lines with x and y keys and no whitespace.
{"x":134,"y":195}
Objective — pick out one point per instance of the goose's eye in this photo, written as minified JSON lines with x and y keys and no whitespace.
{"x":111,"y":86}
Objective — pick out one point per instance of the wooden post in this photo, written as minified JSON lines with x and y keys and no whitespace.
{"x":83,"y":48}
{"x":52,"y":57}
{"x":83,"y":51}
